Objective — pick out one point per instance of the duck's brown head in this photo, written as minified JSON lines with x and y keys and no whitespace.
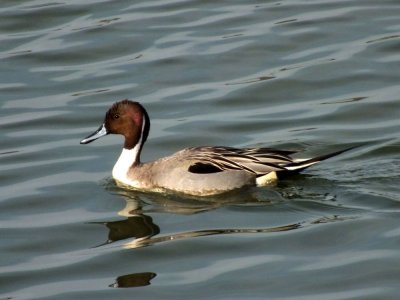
{"x":128,"y":118}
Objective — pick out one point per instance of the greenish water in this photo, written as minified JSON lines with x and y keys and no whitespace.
{"x":311,"y":75}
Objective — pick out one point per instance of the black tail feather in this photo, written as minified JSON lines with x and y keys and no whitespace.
{"x":302,"y":165}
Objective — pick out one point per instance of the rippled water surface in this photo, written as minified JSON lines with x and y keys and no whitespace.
{"x":316,"y":76}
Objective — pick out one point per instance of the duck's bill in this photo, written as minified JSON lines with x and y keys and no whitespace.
{"x":102,"y":131}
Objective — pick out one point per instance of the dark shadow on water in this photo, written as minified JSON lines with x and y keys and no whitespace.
{"x":133,"y":280}
{"x":136,"y":226}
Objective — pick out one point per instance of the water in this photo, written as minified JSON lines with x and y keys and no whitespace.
{"x":311,"y":75}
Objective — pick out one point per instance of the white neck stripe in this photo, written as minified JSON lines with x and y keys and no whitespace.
{"x":127,"y":158}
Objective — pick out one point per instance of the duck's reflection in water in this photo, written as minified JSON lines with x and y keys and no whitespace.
{"x":133,"y":280}
{"x":140,"y":226}
{"x":198,"y":233}
{"x":139,"y":230}
{"x":140,"y":202}
{"x":136,"y":226}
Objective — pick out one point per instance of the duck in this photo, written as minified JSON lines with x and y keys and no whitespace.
{"x":196,"y":171}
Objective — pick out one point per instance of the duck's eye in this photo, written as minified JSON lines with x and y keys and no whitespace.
{"x":116,"y":116}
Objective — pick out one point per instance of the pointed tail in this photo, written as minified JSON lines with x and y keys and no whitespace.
{"x":302,"y":164}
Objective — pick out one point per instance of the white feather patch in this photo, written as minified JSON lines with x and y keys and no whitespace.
{"x":270,"y":178}
{"x":123,"y":164}
{"x":293,"y":168}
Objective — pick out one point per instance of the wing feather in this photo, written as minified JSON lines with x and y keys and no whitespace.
{"x":259,"y":161}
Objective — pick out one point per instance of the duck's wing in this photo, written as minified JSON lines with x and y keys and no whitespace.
{"x":259,"y":161}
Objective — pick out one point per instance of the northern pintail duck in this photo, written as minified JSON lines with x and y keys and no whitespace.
{"x":199,"y":171}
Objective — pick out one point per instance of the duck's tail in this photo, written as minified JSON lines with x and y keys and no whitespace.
{"x":299,"y":165}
